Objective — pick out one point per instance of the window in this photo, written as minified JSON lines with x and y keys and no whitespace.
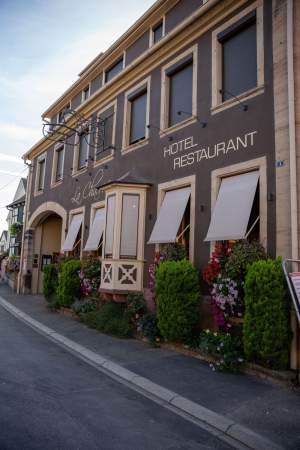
{"x":59,"y":163}
{"x":14,"y":215}
{"x":157,"y":32}
{"x":239,"y":57}
{"x":138,"y":110}
{"x":63,"y":113}
{"x":73,"y":237}
{"x":179,"y":90}
{"x":113,"y":70}
{"x":233,"y":207}
{"x":20,"y":216}
{"x":85,"y":93}
{"x":129,"y":225}
{"x":41,"y":174}
{"x":110,"y":226}
{"x":104,"y":136}
{"x":83,"y":150}
{"x":180,"y":93}
{"x":94,"y":240}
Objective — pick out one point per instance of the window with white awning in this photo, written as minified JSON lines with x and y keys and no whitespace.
{"x":170,"y":216}
{"x":232,"y":211}
{"x":72,"y":234}
{"x":96,"y":231}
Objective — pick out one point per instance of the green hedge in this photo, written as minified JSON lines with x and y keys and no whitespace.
{"x":50,"y":278}
{"x":267,"y":333}
{"x":110,"y":318}
{"x":177,"y":290}
{"x":68,"y":289}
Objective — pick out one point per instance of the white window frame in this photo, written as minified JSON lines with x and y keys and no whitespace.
{"x":83,"y":91}
{"x":217,"y":103}
{"x":57,"y":147}
{"x":165,"y":92}
{"x":126,"y":146}
{"x":40,"y":158}
{"x":179,"y":183}
{"x":259,"y":164}
{"x":151,"y":33}
{"x":110,"y":156}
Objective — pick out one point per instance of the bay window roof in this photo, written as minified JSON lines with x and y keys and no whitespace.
{"x":170,"y":216}
{"x":233,"y":207}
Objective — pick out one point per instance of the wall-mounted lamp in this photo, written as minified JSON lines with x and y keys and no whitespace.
{"x":270,"y":197}
{"x":202,"y":208}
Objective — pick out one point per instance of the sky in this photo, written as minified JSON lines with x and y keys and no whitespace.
{"x":43,"y":47}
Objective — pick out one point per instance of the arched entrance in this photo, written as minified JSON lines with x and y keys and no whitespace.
{"x":47,"y":225}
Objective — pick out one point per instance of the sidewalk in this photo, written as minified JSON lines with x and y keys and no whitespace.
{"x":269,"y":410}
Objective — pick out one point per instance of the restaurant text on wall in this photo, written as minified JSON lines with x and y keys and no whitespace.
{"x":199,"y":153}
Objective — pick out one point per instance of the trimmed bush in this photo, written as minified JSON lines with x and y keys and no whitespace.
{"x":50,"y":277}
{"x":68,"y":289}
{"x":177,"y":290}
{"x":111,"y":318}
{"x":267,"y":333}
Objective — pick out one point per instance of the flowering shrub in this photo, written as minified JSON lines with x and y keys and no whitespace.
{"x":152,"y":271}
{"x":225,"y":348}
{"x":226,"y":296}
{"x":217,"y":262}
{"x":90,"y":277}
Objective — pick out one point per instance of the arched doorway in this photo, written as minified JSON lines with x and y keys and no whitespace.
{"x":47,"y":225}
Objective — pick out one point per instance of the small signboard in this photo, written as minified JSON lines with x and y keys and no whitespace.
{"x":293,"y":282}
{"x":295,"y":279}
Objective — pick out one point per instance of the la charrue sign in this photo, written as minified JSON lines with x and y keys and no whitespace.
{"x":198,"y":153}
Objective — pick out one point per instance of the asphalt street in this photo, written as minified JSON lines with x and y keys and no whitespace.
{"x":49,"y":399}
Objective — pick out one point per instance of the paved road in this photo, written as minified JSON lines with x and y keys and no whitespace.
{"x":51,"y":400}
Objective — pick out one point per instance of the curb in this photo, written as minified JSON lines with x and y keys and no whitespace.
{"x":221,"y":426}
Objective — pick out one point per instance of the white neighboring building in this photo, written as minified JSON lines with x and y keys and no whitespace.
{"x":16,"y":214}
{"x":4,"y":242}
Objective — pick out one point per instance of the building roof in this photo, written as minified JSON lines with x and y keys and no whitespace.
{"x":4,"y":235}
{"x":20,"y":194}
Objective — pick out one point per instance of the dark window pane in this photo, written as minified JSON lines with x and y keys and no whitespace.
{"x":157,"y":33}
{"x":41,"y":173}
{"x":83,"y":150}
{"x":59,"y":164}
{"x":138,"y":118}
{"x":114,"y":70}
{"x":181,"y":88}
{"x":105,"y":131}
{"x":20,"y":214}
{"x":239,"y":62}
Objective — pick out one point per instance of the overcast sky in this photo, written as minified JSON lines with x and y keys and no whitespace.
{"x":43,"y":46}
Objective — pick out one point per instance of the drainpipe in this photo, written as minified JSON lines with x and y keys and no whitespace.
{"x":293,"y":167}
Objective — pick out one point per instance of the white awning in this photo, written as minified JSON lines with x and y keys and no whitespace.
{"x":96,"y":231}
{"x":73,"y":231}
{"x":233,"y":207}
{"x":170,"y":216}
